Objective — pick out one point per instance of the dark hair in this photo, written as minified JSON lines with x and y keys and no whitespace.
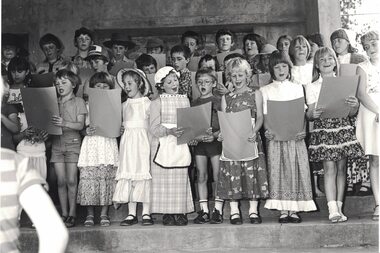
{"x":102,"y":77}
{"x":191,"y":34}
{"x":222,"y":32}
{"x":317,"y":38}
{"x":279,"y":57}
{"x":286,"y":37}
{"x":260,"y":40}
{"x":19,"y":64}
{"x":137,"y":78}
{"x":209,"y":57}
{"x":181,"y":49}
{"x":145,"y":60}
{"x":73,"y":78}
{"x":206,"y":71}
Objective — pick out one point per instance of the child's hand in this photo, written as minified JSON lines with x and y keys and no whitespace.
{"x":57,"y":121}
{"x":122,"y":129}
{"x":90,"y":130}
{"x":300,"y":136}
{"x":209,"y":131}
{"x":193,"y":142}
{"x":29,"y":131}
{"x":220,"y":137}
{"x":252,"y":138}
{"x":221,"y":89}
{"x":317,"y":112}
{"x":269,"y":135}
{"x":177,"y":132}
{"x":352,"y":101}
{"x":208,"y":138}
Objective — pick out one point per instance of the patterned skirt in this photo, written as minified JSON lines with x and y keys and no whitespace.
{"x":96,"y":185}
{"x":289,"y":177}
{"x":243,"y":179}
{"x":333,"y":140}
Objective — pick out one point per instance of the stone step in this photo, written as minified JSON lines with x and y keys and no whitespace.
{"x":312,"y":233}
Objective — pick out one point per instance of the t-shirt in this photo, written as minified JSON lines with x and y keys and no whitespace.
{"x":15,"y":177}
{"x":215,"y":107}
{"x":6,"y":135}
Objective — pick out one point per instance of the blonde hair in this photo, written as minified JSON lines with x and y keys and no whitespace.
{"x":318,"y":54}
{"x":240,"y":64}
{"x":302,"y":41}
{"x":374,"y":35}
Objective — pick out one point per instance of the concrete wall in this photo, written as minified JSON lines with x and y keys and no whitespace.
{"x":141,"y":18}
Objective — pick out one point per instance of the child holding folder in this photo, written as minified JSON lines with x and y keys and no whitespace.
{"x":333,"y":139}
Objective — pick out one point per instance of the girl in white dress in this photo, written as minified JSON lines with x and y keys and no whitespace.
{"x":98,"y":160}
{"x":367,"y":129}
{"x":133,"y":176}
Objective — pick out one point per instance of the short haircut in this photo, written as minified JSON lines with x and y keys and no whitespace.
{"x":371,"y":35}
{"x":145,"y":60}
{"x":209,"y":57}
{"x":71,"y":76}
{"x":18,"y":64}
{"x":222,"y":32}
{"x":240,"y":63}
{"x":260,"y":40}
{"x":137,"y":78}
{"x":191,"y":34}
{"x":278,"y":57}
{"x":318,"y":54}
{"x":302,"y":41}
{"x":283,"y":37}
{"x":317,"y":38}
{"x":181,"y":49}
{"x":206,"y":71}
{"x":102,"y":77}
{"x":232,"y":56}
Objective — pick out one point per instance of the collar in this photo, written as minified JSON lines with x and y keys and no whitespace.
{"x":59,"y":58}
{"x":70,"y":98}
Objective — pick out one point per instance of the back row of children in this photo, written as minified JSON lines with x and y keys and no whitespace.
{"x":133,"y":174}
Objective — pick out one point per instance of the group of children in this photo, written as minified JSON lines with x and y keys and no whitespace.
{"x":148,"y":166}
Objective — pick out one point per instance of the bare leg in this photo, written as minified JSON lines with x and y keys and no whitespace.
{"x":341,"y":179}
{"x":202,"y":176}
{"x":374,"y":176}
{"x":72,"y":186}
{"x":215,"y":170}
{"x":60,"y":171}
{"x":330,"y":180}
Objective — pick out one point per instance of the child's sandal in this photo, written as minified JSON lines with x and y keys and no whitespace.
{"x":89,"y":222}
{"x":375,"y":215}
{"x":147,"y":220}
{"x":104,"y":221}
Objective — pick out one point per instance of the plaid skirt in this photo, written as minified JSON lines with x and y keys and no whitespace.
{"x":289,"y":177}
{"x":170,"y":188}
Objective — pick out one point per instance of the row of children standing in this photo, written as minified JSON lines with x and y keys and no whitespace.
{"x":149,"y":124}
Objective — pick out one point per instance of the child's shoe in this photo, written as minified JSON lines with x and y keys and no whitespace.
{"x":105,"y":221}
{"x":216,"y":217}
{"x":294,"y":218}
{"x":284,"y":218}
{"x":334,"y":215}
{"x":181,"y":220}
{"x":129,"y":222}
{"x":89,"y":222}
{"x":235,"y":219}
{"x":255,"y":218}
{"x":168,"y":220}
{"x":375,"y":215}
{"x":147,"y":220}
{"x":343,"y":217}
{"x":202,"y":217}
{"x":70,"y":222}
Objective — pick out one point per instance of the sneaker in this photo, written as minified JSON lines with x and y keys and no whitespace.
{"x":216,"y":217}
{"x":70,"y":222}
{"x":168,"y":220}
{"x":202,"y":217}
{"x":181,"y":220}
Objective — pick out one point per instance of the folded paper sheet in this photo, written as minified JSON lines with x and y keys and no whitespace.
{"x":236,"y":128}
{"x":348,"y":69}
{"x":42,"y":80}
{"x":286,"y":118}
{"x":334,"y":92}
{"x":105,"y":111}
{"x":40,"y":105}
{"x":195,"y":121}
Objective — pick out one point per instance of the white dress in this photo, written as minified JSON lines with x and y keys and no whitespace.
{"x":133,"y":176}
{"x":367,"y":129}
{"x":302,"y":74}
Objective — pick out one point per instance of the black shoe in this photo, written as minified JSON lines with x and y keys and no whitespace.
{"x":294,"y":218}
{"x":147,"y":221}
{"x":181,"y":220}
{"x":70,"y":221}
{"x":168,"y":220}
{"x":216,"y":217}
{"x":202,"y":217}
{"x":237,"y":220}
{"x":255,"y":218}
{"x":284,"y":219}
{"x":130,"y":222}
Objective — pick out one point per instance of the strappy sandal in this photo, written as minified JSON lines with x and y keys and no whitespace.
{"x":237,"y":220}
{"x":129,"y":222}
{"x":147,"y":220}
{"x":294,"y":218}
{"x":375,"y":215}
{"x":104,"y":221}
{"x":255,"y":218}
{"x":89,"y":222}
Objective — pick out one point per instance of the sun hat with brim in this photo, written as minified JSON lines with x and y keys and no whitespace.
{"x":97,"y":51}
{"x":154,"y":42}
{"x":51,"y":38}
{"x":162,"y":73}
{"x":119,"y":79}
{"x":120,"y":39}
{"x":10,"y":39}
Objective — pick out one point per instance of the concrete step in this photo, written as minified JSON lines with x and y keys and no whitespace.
{"x":312,"y":233}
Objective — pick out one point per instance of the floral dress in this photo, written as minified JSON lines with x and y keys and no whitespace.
{"x":243,"y":179}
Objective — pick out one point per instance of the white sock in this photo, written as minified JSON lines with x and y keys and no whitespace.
{"x":253,"y":206}
{"x":340,"y":204}
{"x":132,"y":206}
{"x":219,"y":205}
{"x":204,"y":205}
{"x":333,"y":207}
{"x":234,"y":207}
{"x":146,"y":208}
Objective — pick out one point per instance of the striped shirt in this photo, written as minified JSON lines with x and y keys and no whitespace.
{"x":15,"y":177}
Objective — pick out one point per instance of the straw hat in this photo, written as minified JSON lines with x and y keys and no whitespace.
{"x":119,"y":78}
